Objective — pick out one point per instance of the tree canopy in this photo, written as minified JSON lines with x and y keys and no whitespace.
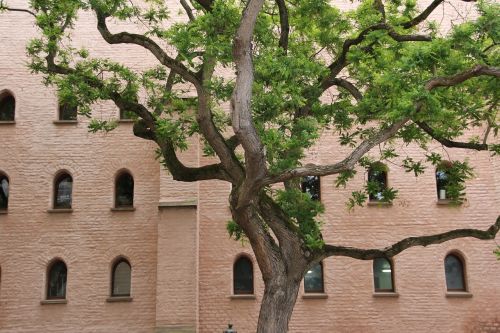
{"x":373,"y":72}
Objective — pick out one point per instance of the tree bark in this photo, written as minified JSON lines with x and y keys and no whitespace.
{"x":278,"y":302}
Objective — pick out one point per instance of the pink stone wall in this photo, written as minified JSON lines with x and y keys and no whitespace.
{"x":182,"y":258}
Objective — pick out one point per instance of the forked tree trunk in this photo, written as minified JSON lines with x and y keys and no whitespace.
{"x":278,"y":302}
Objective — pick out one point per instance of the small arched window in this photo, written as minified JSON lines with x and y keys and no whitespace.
{"x":67,"y":111}
{"x":63,"y":187}
{"x":121,"y":278}
{"x":243,"y":276}
{"x":4,"y":192}
{"x":455,"y":273}
{"x":313,"y":280}
{"x":124,"y":190}
{"x":377,"y":181}
{"x":56,"y":280}
{"x":383,"y":274}
{"x":7,"y":107}
{"x":311,"y":186}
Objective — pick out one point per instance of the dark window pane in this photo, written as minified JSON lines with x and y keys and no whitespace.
{"x":124,"y":190}
{"x":311,"y":185}
{"x":67,"y":112}
{"x":313,"y":280}
{"x":7,"y":107}
{"x":382,"y":275}
{"x":63,"y":188}
{"x":4,"y":192}
{"x":243,"y":276}
{"x":121,"y":279}
{"x":56,"y":286}
{"x":441,"y":183}
{"x":378,"y":177}
{"x":454,"y":273}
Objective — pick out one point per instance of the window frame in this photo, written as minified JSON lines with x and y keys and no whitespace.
{"x":3,"y":175}
{"x":59,"y":113}
{"x":385,"y":170}
{"x":250,"y":261}
{"x":115,"y":264}
{"x":304,"y":189}
{"x":57,"y":179}
{"x":461,"y":259}
{"x":322,"y":291}
{"x":50,"y":266}
{"x":393,"y":284}
{"x":5,"y":94}
{"x":120,"y":174}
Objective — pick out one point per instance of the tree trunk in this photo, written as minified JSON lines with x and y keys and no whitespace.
{"x":280,"y":294}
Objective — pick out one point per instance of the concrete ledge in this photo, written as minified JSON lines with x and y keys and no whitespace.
{"x":122,"y":209}
{"x":385,"y":294}
{"x":7,"y":122}
{"x":3,"y":211}
{"x":175,"y":329}
{"x":114,"y":299}
{"x":374,"y":203}
{"x":181,"y":203}
{"x":65,"y":122}
{"x":242,"y":296}
{"x":53,"y":301}
{"x":60,"y":210}
{"x":315,"y":296}
{"x":447,"y":202}
{"x":458,"y":294}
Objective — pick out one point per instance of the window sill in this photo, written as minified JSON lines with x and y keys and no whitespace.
{"x":65,"y":122}
{"x":379,"y":203}
{"x":7,"y":122}
{"x":447,"y":202}
{"x":3,"y":211}
{"x":242,"y":296}
{"x":60,"y":210}
{"x":315,"y":296}
{"x":114,"y":299}
{"x":53,"y":301}
{"x":385,"y":294}
{"x":122,"y":209}
{"x":458,"y":294}
{"x":125,"y":121}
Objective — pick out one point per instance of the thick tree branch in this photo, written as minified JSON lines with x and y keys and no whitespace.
{"x":343,"y":83}
{"x":242,"y":120}
{"x":284,"y":25}
{"x":390,"y":251}
{"x":449,"y":143}
{"x":145,"y":42}
{"x":448,"y":81}
{"x":188,"y":10}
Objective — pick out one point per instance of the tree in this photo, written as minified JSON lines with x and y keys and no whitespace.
{"x":396,"y":75}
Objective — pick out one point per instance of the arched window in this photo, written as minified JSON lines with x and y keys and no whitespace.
{"x":63,"y":187}
{"x":67,"y":111}
{"x":4,"y":192}
{"x":383,"y":274}
{"x":454,"y":270}
{"x":377,"y":181}
{"x":313,"y":280}
{"x":311,"y":186}
{"x":124,"y":190}
{"x":243,"y":276}
{"x":56,"y":280}
{"x":121,"y":278}
{"x":7,"y":107}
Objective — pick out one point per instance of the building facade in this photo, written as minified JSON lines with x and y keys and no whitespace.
{"x":82,"y":252}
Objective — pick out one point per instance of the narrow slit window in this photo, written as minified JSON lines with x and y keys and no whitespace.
{"x":7,"y":107}
{"x":313,"y":280}
{"x":442,"y":181}
{"x":454,"y":270}
{"x":243,"y":276}
{"x":63,"y":188}
{"x":377,"y":182}
{"x":383,"y":274}
{"x":67,"y":112}
{"x":56,"y":280}
{"x":121,"y":278}
{"x":124,"y":190}
{"x":4,"y":192}
{"x":312,"y":186}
